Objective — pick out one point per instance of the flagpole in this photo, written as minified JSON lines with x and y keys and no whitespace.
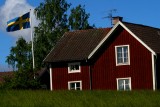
{"x":32,"y":42}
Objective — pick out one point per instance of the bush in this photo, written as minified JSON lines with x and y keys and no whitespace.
{"x":21,"y":80}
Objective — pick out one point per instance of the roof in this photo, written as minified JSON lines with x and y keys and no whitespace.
{"x":149,"y":35}
{"x":76,"y":45}
{"x":41,"y":72}
{"x":82,"y":44}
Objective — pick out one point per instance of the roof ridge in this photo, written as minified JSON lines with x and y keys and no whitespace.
{"x":87,"y":30}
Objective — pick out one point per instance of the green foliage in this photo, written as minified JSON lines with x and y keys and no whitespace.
{"x":21,"y":58}
{"x":20,"y":80}
{"x":53,"y":18}
{"x":24,"y":98}
{"x":78,"y":18}
{"x":6,"y":84}
{"x":24,"y":80}
{"x":53,"y":23}
{"x":20,"y":55}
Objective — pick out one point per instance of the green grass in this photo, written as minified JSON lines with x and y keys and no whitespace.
{"x":29,"y":98}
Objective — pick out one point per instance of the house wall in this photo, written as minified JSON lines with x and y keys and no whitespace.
{"x":61,"y":77}
{"x":105,"y":71}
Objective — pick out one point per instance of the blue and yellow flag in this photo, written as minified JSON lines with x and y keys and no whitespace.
{"x":19,"y":23}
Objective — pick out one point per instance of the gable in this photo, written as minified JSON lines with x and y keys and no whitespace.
{"x":140,"y":33}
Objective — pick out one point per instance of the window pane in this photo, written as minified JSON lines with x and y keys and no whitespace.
{"x":127,"y":87}
{"x":125,"y":48}
{"x":125,"y":54}
{"x":76,"y":67}
{"x":120,"y":84}
{"x":119,"y":49}
{"x":77,"y":84}
{"x":119,"y":60}
{"x":126,"y":81}
{"x":71,"y":67}
{"x":125,"y":60}
{"x":127,"y":84}
{"x":72,"y":86}
{"x":119,"y":55}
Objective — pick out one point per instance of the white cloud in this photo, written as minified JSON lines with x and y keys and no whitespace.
{"x":12,"y":9}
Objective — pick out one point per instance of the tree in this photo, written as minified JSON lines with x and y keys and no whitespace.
{"x":78,"y":18}
{"x":20,"y":56}
{"x":53,"y":23}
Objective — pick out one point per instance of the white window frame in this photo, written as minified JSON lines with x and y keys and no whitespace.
{"x":69,"y":88}
{"x":72,"y":64}
{"x":123,"y":63}
{"x":128,"y":78}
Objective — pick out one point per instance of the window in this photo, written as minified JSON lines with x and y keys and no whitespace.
{"x":124,"y":84}
{"x":75,"y":85}
{"x":73,"y":67}
{"x":122,"y":55}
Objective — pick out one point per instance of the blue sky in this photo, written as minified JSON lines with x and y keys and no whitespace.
{"x":146,"y":12}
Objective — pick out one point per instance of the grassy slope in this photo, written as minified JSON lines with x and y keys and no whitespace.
{"x":10,"y":98}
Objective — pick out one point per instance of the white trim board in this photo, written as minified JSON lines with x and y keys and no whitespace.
{"x":153,"y":72}
{"x":51,"y":83}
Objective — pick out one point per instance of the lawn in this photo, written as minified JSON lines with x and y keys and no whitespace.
{"x":40,"y":98}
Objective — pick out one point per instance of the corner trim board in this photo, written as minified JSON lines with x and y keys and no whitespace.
{"x":153,"y":72}
{"x":51,"y":85}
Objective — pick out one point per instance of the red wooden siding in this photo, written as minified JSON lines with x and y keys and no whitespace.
{"x":105,"y":71}
{"x":61,"y":77}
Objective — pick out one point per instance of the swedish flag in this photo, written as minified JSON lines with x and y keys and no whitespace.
{"x":19,"y":23}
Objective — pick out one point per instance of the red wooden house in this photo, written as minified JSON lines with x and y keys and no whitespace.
{"x":125,"y":57}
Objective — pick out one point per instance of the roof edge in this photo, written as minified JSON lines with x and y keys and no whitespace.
{"x":103,"y":40}
{"x":144,"y":44}
{"x":52,"y":50}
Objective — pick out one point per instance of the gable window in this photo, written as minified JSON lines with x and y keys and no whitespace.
{"x":73,"y":67}
{"x":122,"y":55}
{"x":124,"y":84}
{"x":75,"y":85}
